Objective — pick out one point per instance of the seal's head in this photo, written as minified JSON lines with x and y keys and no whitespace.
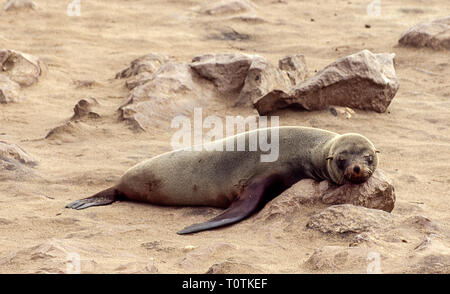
{"x":352,"y":159}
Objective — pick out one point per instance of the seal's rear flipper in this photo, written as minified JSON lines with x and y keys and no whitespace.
{"x":241,"y":208}
{"x":104,"y":197}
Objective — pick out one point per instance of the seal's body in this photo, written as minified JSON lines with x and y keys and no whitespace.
{"x":240,"y":180}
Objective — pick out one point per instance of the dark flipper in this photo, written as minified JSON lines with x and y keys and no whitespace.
{"x":104,"y":197}
{"x":244,"y":206}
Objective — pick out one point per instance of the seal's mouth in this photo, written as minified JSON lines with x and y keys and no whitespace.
{"x":356,"y":175}
{"x":356,"y":180}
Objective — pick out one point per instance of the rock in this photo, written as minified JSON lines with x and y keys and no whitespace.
{"x":436,"y":263}
{"x":251,"y":76}
{"x":434,"y":34}
{"x":228,"y":7}
{"x":158,"y":246}
{"x":15,"y":163}
{"x":229,"y":267}
{"x":226,"y":71}
{"x":85,"y":108}
{"x":338,"y":258}
{"x":21,"y":68}
{"x":13,"y":153}
{"x":263,"y":77}
{"x":85,"y":83}
{"x":346,"y":112}
{"x":70,"y":131}
{"x":363,"y":80}
{"x":75,"y":128}
{"x":20,"y":4}
{"x":151,"y":268}
{"x":149,"y":63}
{"x":174,"y":90}
{"x":138,"y":80}
{"x":347,"y":218}
{"x":228,"y":34}
{"x":248,"y":19}
{"x":422,"y":224}
{"x":9,"y":90}
{"x":377,"y":192}
{"x":286,"y":206}
{"x":295,"y":67}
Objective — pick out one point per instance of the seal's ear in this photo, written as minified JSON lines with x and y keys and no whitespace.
{"x":329,"y":157}
{"x":377,"y":151}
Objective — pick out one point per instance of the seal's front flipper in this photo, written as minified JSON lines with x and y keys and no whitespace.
{"x":241,"y":208}
{"x":104,"y":197}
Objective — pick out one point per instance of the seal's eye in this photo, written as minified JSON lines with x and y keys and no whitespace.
{"x":341,"y":163}
{"x":369,"y":159}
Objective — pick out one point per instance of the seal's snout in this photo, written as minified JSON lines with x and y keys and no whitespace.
{"x":357,"y":173}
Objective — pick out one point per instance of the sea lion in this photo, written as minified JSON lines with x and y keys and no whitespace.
{"x":239,"y":180}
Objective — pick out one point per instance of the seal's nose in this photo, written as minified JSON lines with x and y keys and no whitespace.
{"x":356,"y":169}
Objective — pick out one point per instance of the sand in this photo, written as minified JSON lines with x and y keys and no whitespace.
{"x":38,"y":234}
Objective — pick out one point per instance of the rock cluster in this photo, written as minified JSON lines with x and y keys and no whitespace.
{"x":162,"y":88}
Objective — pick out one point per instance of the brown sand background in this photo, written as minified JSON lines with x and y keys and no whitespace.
{"x":130,"y":237}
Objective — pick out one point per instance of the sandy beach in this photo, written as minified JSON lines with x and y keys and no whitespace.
{"x":37,"y":234}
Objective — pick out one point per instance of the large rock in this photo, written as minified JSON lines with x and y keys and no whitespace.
{"x":263,"y":77}
{"x":289,"y":208}
{"x":363,"y":80}
{"x":347,"y":218}
{"x":377,"y":192}
{"x":434,"y":34}
{"x":22,"y":68}
{"x":226,"y":71}
{"x":249,"y":76}
{"x":174,"y":90}
{"x":9,"y":90}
